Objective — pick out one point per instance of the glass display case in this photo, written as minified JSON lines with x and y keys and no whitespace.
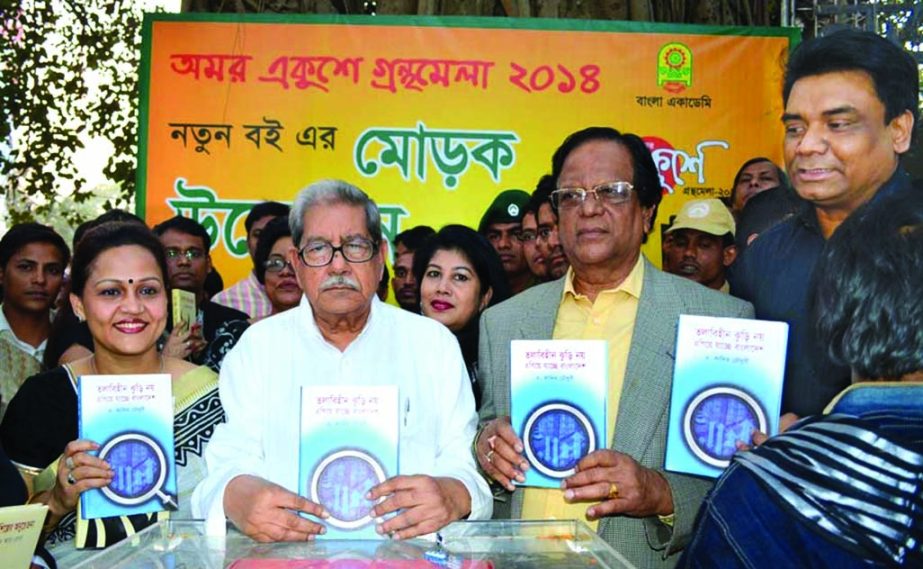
{"x":463,"y":545}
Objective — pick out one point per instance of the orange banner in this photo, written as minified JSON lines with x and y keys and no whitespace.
{"x":433,"y":117}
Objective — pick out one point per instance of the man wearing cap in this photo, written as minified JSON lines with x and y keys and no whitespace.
{"x":700,"y":243}
{"x":501,"y":225}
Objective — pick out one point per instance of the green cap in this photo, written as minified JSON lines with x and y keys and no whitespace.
{"x":507,"y":207}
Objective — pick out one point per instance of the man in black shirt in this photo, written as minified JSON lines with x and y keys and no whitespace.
{"x":850,"y":110}
{"x":187,"y":246}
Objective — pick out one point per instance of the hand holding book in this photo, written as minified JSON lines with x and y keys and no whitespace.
{"x":183,"y":342}
{"x":424,"y":504}
{"x":77,"y":472}
{"x":620,"y":484}
{"x":267,"y":512}
{"x":499,"y":453}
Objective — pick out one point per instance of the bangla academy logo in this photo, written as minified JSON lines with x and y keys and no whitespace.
{"x":674,"y":67}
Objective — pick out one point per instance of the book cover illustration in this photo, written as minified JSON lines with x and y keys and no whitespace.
{"x":558,"y":404}
{"x":349,"y":443}
{"x":184,"y":309}
{"x":727,"y":381}
{"x":20,"y":527}
{"x":131,"y":418}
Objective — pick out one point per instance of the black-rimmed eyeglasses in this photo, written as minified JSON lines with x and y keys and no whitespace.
{"x":320,"y":253}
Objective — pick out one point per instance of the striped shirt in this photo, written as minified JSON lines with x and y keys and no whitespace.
{"x":248,"y":296}
{"x":858,"y":480}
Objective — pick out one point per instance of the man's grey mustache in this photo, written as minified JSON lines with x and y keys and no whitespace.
{"x":338,"y":281}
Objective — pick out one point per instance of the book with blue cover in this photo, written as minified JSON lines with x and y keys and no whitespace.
{"x":349,"y":443}
{"x":131,"y":418}
{"x":727,"y":381}
{"x":559,"y":390}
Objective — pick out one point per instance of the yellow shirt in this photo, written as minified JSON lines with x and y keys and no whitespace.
{"x":611,"y":317}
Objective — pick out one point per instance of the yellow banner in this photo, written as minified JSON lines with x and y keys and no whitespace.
{"x":433,"y":117}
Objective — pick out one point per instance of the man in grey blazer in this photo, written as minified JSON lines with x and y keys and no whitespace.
{"x":643,"y":512}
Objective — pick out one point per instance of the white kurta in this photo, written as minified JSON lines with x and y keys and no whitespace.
{"x":260,"y":387}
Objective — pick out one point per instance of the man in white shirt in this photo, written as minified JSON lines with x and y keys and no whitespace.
{"x":341,"y":334}
{"x":32,"y":262}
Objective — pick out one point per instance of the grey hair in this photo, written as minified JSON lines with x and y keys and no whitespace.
{"x":329,"y":192}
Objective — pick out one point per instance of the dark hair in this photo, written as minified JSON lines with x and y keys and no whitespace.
{"x":893,"y":71}
{"x":486,"y":263}
{"x":867,"y":304}
{"x":476,"y":248}
{"x":383,"y":284}
{"x":109,"y":236}
{"x":265,"y":209}
{"x":23,"y":234}
{"x":276,"y":229}
{"x":780,"y":173}
{"x":109,"y":216}
{"x":414,"y":237}
{"x":645,"y":178}
{"x":541,"y":194}
{"x":187,"y":226}
{"x":213,"y":283}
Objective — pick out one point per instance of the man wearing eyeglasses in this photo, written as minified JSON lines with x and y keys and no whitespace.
{"x":341,"y":334}
{"x":535,"y":259}
{"x":607,"y":195}
{"x":187,"y":244}
{"x":547,"y":239}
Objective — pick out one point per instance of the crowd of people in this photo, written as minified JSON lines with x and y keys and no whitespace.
{"x":832,"y":245}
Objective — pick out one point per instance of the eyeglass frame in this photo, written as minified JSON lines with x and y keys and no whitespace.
{"x":285,"y":263}
{"x":374,"y":245}
{"x":583,"y":192}
{"x":191,"y":254}
{"x":540,"y":234}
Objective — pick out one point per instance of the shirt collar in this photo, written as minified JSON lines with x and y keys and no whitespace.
{"x":31,"y":350}
{"x":4,"y":323}
{"x":631,"y":285}
{"x":898,"y":182}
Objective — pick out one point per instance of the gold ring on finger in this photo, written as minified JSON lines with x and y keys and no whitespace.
{"x":613,"y":491}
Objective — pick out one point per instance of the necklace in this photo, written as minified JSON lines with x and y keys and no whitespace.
{"x":96,"y":371}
